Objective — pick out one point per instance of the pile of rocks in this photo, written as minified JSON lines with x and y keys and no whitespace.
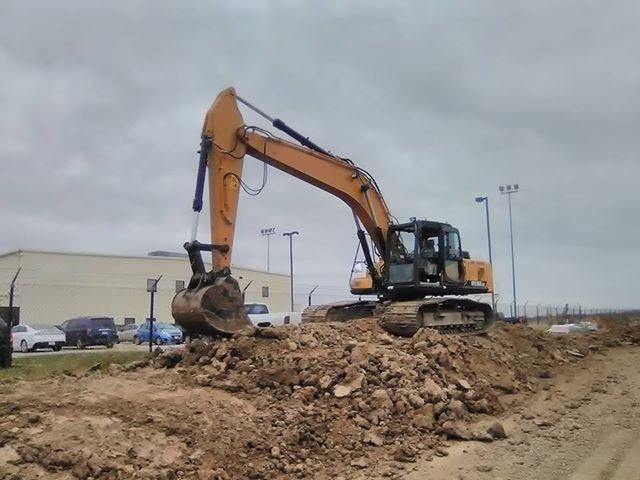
{"x":340,"y":392}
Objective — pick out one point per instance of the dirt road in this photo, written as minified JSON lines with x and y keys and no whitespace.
{"x":585,"y":427}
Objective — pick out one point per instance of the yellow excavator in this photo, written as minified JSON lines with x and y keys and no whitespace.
{"x":417,"y":269}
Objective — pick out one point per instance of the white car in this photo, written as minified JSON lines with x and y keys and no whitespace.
{"x":27,"y":338}
{"x":261,"y":317}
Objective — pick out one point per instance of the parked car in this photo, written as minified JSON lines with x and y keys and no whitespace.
{"x":162,"y":333}
{"x":127,"y":333}
{"x":88,"y":331}
{"x":29,"y":338}
{"x":5,"y":344}
{"x":261,"y":317}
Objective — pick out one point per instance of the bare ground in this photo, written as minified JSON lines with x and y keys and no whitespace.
{"x":586,"y":426}
{"x":340,"y":402}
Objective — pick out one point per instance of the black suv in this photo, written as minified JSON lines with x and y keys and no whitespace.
{"x":5,"y":344}
{"x":87,"y":331}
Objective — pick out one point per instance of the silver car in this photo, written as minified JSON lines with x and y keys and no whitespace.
{"x":128,"y":333}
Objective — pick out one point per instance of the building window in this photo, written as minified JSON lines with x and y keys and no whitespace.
{"x":129,"y":320}
{"x":179,"y":285}
{"x":265,"y":292}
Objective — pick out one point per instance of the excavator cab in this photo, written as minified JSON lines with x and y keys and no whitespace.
{"x":426,"y":258}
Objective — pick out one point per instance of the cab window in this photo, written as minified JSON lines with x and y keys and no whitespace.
{"x":453,"y":245}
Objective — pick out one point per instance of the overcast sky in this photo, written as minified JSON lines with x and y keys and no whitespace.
{"x":101,"y":105}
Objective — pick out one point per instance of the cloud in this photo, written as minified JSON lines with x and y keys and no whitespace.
{"x":103,"y":103}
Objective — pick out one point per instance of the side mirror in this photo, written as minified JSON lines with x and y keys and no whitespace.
{"x":465,"y":254}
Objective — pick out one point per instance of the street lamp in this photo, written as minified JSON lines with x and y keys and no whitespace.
{"x":152,"y":288}
{"x":267,"y":232}
{"x":509,"y":190}
{"x":290,"y":235}
{"x":485,"y":200}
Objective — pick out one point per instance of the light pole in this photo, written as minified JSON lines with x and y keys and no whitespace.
{"x":290,"y":235}
{"x":509,"y":190}
{"x":485,"y":200}
{"x":152,"y":288}
{"x":267,"y":232}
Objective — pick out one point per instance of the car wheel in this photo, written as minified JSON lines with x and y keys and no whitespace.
{"x":80,"y":344}
{"x":136,"y":340}
{"x":110,"y":345}
{"x":159,"y":341}
{"x":57,"y":348}
{"x":24,"y":348}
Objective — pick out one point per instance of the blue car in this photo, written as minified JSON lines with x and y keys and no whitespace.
{"x":162,"y":333}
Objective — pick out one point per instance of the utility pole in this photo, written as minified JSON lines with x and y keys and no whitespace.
{"x":485,"y":200}
{"x":290,"y":235}
{"x":509,"y":190}
{"x":267,"y":232}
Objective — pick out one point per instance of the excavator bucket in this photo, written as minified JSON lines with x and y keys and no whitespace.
{"x":215,"y":309}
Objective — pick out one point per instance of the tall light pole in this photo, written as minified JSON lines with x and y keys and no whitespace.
{"x":290,"y":235}
{"x":509,"y":190}
{"x":267,"y":232}
{"x":485,"y":200}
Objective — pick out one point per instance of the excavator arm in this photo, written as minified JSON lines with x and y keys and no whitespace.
{"x":212,"y":302}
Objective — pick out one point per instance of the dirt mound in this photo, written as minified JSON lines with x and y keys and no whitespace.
{"x":312,"y":401}
{"x":344,"y":394}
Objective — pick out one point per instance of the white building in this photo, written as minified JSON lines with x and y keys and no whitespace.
{"x":55,"y":286}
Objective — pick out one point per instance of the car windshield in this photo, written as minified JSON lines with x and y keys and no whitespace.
{"x":102,"y":322}
{"x":255,"y":309}
{"x":42,"y":327}
{"x":164,"y":326}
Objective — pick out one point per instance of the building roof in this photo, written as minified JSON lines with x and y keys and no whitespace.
{"x":139,"y":257}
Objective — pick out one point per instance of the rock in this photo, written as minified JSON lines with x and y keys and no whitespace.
{"x":293,"y":346}
{"x":484,"y":468}
{"x":33,"y":419}
{"x":325,"y":382}
{"x":575,"y":353}
{"x":204,"y":360}
{"x":505,"y":384}
{"x":168,"y":359}
{"x":432,"y":391}
{"x":455,"y":431}
{"x":415,"y":400}
{"x":405,"y":453}
{"x":481,"y":436}
{"x":462,"y":383}
{"x":542,"y":422}
{"x":496,"y":430}
{"x":352,"y":382}
{"x":457,"y":408}
{"x":202,"y":380}
{"x":373,"y":438}
{"x":275,"y":333}
{"x":360,"y":462}
{"x":275,"y":452}
{"x":95,"y":367}
{"x":424,"y":418}
{"x":248,"y":331}
{"x":308,"y":340}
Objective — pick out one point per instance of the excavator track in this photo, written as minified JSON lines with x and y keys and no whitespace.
{"x":448,"y":315}
{"x":338,"y":311}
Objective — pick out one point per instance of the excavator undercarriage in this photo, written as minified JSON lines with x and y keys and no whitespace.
{"x":404,"y":318}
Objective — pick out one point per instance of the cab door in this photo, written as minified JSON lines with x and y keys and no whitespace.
{"x":452,"y":258}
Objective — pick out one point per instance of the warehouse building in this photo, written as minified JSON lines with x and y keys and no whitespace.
{"x":55,"y":286}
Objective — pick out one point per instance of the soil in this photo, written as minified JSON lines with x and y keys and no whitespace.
{"x":340,"y":401}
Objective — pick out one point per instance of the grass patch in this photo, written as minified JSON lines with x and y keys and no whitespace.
{"x":46,"y":366}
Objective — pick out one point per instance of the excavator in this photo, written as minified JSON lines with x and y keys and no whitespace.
{"x":417,"y":270}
